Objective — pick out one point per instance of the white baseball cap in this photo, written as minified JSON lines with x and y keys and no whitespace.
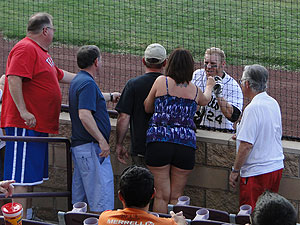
{"x":156,"y":51}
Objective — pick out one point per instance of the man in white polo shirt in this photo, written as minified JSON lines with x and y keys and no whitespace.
{"x":259,"y":159}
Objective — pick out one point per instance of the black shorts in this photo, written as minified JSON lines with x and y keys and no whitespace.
{"x":164,"y":153}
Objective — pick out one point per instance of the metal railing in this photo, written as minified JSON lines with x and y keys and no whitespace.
{"x":68,"y":193}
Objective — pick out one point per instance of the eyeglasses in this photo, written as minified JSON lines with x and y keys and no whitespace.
{"x":54,"y":29}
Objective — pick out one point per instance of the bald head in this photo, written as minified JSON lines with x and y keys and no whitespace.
{"x":37,"y":21}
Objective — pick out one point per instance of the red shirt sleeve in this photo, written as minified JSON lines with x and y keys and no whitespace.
{"x":60,"y":73}
{"x":22,"y":62}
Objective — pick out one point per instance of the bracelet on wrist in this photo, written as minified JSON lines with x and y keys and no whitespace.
{"x":234,"y":170}
{"x":111,"y":97}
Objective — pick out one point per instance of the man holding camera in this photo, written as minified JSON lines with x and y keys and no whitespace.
{"x":226,"y":103}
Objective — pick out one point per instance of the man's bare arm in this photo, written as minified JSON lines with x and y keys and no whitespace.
{"x":242,"y":155}
{"x":90,"y":125}
{"x":225,"y":107}
{"x":68,"y":77}
{"x":113,"y":96}
{"x":16,"y":92}
{"x":121,"y":130}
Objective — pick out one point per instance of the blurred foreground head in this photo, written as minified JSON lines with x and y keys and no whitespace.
{"x":136,"y":187}
{"x":273,"y":209}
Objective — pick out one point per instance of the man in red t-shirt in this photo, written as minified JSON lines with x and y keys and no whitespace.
{"x":31,"y":104}
{"x":136,"y":191}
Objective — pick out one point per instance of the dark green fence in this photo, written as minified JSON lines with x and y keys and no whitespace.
{"x":264,"y":32}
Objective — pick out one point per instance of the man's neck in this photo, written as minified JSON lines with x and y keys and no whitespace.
{"x":146,"y":208}
{"x":253,"y":94}
{"x":222,"y":74}
{"x":153,"y":70}
{"x":90,"y":71}
{"x":36,"y":38}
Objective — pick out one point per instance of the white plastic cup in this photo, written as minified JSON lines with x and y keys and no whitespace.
{"x":90,"y":221}
{"x":13,"y":213}
{"x":80,"y":207}
{"x":202,"y":214}
{"x":245,"y":210}
{"x":183,"y":200}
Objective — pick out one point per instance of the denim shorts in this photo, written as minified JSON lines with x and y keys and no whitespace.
{"x":93,"y":180}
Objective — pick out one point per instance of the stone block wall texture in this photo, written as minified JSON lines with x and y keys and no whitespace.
{"x":207,"y":185}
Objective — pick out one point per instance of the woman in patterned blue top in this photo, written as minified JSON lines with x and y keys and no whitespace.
{"x":171,"y":139}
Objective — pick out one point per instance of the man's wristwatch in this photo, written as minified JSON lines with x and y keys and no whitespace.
{"x":111,"y":97}
{"x":234,"y":170}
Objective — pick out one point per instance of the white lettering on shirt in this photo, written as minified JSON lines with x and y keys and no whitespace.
{"x":126,"y":222}
{"x":49,"y":60}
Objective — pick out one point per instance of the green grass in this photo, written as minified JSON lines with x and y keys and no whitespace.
{"x":255,"y":31}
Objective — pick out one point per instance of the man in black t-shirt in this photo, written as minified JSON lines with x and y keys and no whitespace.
{"x":131,"y":106}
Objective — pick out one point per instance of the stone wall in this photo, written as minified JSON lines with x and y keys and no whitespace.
{"x":207,"y":185}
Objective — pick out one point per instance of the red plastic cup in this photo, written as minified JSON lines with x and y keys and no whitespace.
{"x":13,"y":213}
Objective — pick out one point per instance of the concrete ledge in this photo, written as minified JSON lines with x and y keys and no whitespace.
{"x":291,"y":147}
{"x":289,"y":188}
{"x":207,"y":177}
{"x":64,"y":116}
{"x":215,"y":137}
{"x":226,"y":139}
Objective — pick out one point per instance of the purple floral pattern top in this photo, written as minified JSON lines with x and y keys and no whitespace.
{"x":172,"y":120}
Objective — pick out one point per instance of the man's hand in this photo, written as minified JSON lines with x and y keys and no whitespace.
{"x":105,"y":149}
{"x":122,"y":153}
{"x":29,"y":118}
{"x":178,"y":218}
{"x":233,"y":178}
{"x":7,"y":188}
{"x":210,"y":82}
{"x":115,"y":96}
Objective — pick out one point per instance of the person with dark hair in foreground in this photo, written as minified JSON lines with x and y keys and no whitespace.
{"x":273,"y":209}
{"x":136,"y":191}
{"x":171,"y":138}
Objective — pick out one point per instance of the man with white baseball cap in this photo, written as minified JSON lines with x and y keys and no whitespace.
{"x":131,"y":106}
{"x":155,"y":52}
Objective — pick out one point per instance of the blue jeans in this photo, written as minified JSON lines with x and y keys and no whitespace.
{"x":93,"y":181}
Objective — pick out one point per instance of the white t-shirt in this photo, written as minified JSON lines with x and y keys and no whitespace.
{"x":232,"y":92}
{"x":261,"y":127}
